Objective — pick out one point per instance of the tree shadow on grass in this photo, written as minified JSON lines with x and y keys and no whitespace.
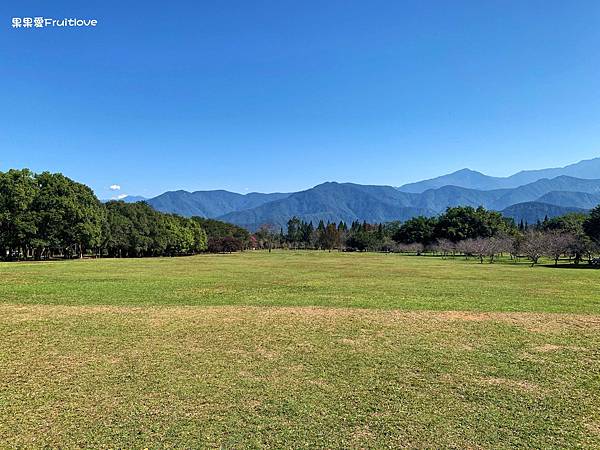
{"x":583,"y":265}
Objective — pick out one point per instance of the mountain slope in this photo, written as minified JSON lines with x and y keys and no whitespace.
{"x":531,"y":212}
{"x":575,"y":199}
{"x":439,"y":199}
{"x":535,"y":190}
{"x":464,"y":178}
{"x":583,"y":192}
{"x":587,"y":169}
{"x":209,"y":203}
{"x":332,"y":202}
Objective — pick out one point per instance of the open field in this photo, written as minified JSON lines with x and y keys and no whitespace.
{"x":311,"y":278}
{"x":298,"y":349}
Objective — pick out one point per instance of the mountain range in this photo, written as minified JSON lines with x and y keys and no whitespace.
{"x":587,"y":169}
{"x":529,"y":195}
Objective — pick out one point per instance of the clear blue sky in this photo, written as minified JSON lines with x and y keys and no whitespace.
{"x":282,"y":95}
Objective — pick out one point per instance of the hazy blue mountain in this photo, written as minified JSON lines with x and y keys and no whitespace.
{"x":531,"y":212}
{"x":128,"y":199}
{"x":209,"y":203}
{"x":576,"y":199}
{"x":465,"y":178}
{"x":439,"y":199}
{"x":133,"y":199}
{"x":587,"y":169}
{"x":332,"y":202}
{"x":533,"y":191}
{"x":498,"y":199}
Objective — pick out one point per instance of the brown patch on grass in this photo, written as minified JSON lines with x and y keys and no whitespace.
{"x":248,"y":376}
{"x":253,"y":404}
{"x":556,"y":322}
{"x":593,"y":427}
{"x":547,"y":348}
{"x":319,"y":383}
{"x":361,"y":434}
{"x":553,"y":348}
{"x":462,"y":316}
{"x":512,"y":384}
{"x":162,"y":315}
{"x":265,"y":353}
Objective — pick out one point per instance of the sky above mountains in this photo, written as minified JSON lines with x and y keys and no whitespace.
{"x":279,"y":96}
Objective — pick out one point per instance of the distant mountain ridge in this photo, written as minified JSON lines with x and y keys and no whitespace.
{"x":572,"y":199}
{"x":586,"y":169}
{"x":538,"y":197}
{"x":348,"y":202}
{"x":127,"y":199}
{"x":133,"y":198}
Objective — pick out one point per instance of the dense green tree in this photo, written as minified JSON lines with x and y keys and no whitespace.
{"x":306,"y":230}
{"x":118,"y":228}
{"x":216,"y":228}
{"x":18,"y":223}
{"x":466,"y":222}
{"x":591,"y":225}
{"x":571,"y":223}
{"x":418,"y":229}
{"x":135,"y":229}
{"x":361,"y":240}
{"x":294,"y":231}
{"x":69,"y":216}
{"x":49,"y":215}
{"x":328,"y":236}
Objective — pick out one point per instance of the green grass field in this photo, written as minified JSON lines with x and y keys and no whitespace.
{"x":298,"y":349}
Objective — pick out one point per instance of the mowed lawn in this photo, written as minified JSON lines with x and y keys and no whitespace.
{"x":312,"y":278}
{"x":298,"y":349}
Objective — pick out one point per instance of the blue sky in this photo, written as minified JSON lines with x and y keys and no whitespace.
{"x":282,"y":95}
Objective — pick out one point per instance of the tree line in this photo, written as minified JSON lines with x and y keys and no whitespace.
{"x":464,"y":230}
{"x":454,"y":225}
{"x":48,"y":215}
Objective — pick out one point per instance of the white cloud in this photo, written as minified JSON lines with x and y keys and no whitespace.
{"x":115,"y":187}
{"x":121,"y":196}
